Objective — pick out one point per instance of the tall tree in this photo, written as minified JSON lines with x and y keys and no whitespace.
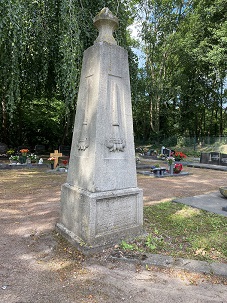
{"x":185,"y":47}
{"x":41,"y":49}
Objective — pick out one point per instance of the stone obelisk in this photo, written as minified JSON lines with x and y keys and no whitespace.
{"x":100,"y":202}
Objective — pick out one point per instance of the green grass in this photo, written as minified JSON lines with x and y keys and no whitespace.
{"x":182,"y":231}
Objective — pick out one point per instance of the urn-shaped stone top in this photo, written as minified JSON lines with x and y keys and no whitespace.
{"x":106,"y":23}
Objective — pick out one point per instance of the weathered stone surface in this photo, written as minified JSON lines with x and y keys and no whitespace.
{"x":96,"y":219}
{"x":3,"y":148}
{"x":100,"y":201}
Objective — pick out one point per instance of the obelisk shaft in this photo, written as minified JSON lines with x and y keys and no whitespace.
{"x":100,"y":203}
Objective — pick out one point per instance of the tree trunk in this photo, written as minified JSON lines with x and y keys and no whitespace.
{"x":4,"y":136}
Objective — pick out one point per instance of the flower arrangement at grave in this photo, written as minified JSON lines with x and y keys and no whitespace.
{"x":14,"y":158}
{"x":64,"y":163}
{"x":177,"y":168}
{"x":23,"y":157}
{"x":10,"y":152}
{"x":24,"y":151}
{"x":32,"y":157}
{"x":51,"y":160}
{"x":170,"y":160}
{"x":179,"y":156}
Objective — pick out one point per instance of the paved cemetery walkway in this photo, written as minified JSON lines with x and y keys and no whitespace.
{"x":212,"y":202}
{"x":35,"y":267}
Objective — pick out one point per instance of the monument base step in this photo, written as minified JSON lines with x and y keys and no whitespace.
{"x":87,"y":249}
{"x":92,"y":220}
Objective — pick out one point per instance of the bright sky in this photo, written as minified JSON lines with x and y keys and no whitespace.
{"x":134,"y":30}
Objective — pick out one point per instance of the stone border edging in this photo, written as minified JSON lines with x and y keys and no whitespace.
{"x":203,"y":267}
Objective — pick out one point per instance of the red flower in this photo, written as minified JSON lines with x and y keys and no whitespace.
{"x":178,"y":168}
{"x":180,"y":155}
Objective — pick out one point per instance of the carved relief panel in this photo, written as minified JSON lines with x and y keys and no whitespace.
{"x":83,"y":142}
{"x":116,"y":140}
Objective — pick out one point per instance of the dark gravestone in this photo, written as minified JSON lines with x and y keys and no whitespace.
{"x":3,"y":148}
{"x":204,"y":158}
{"x":223,"y":160}
{"x":167,"y":152}
{"x":40,"y":149}
{"x":65,"y":150}
{"x":214,"y":158}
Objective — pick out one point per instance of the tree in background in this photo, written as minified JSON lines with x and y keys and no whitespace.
{"x":180,"y":91}
{"x":41,"y":49}
{"x":185,"y":47}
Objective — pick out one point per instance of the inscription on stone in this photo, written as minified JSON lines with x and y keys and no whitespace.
{"x":116,"y":213}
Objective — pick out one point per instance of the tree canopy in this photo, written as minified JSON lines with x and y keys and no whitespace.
{"x":185,"y":46}
{"x":181,"y":90}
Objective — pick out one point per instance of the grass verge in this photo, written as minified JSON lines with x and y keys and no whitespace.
{"x":182,"y":231}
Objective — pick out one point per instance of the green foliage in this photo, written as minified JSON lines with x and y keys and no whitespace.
{"x":128,"y":246}
{"x":182,"y":231}
{"x":41,"y":49}
{"x":185,"y":47}
{"x":180,"y":92}
{"x":41,"y":117}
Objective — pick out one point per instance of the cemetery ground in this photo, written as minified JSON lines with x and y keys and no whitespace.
{"x":37,"y":265}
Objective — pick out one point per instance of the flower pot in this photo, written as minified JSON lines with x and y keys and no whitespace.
{"x":22,"y":159}
{"x":171,"y":169}
{"x":13,"y":162}
{"x":61,"y":169}
{"x":176,"y":171}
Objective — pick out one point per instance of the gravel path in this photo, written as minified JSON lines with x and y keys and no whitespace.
{"x":36,"y":266}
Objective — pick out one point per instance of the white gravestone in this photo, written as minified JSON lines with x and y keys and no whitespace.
{"x":100,"y":202}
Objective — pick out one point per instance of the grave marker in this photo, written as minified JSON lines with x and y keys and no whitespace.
{"x":65,"y":150}
{"x":55,"y":155}
{"x":167,"y":152}
{"x":223,"y":160}
{"x":213,"y":158}
{"x":39,"y":149}
{"x":3,"y":148}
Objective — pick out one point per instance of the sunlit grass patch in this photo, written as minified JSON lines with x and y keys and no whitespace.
{"x":182,"y":231}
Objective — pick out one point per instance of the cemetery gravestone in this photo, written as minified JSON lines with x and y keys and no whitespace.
{"x":3,"y":148}
{"x":100,"y":202}
{"x":213,"y":158}
{"x":204,"y":158}
{"x":65,"y":150}
{"x":39,"y":149}
{"x":166,"y":152}
{"x":223,"y":159}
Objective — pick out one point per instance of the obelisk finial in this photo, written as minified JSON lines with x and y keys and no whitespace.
{"x":106,"y":23}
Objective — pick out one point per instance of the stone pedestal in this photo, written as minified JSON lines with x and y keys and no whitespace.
{"x":100,"y":202}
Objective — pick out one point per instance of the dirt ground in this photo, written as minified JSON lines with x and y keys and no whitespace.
{"x":36,"y":266}
{"x":198,"y":182}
